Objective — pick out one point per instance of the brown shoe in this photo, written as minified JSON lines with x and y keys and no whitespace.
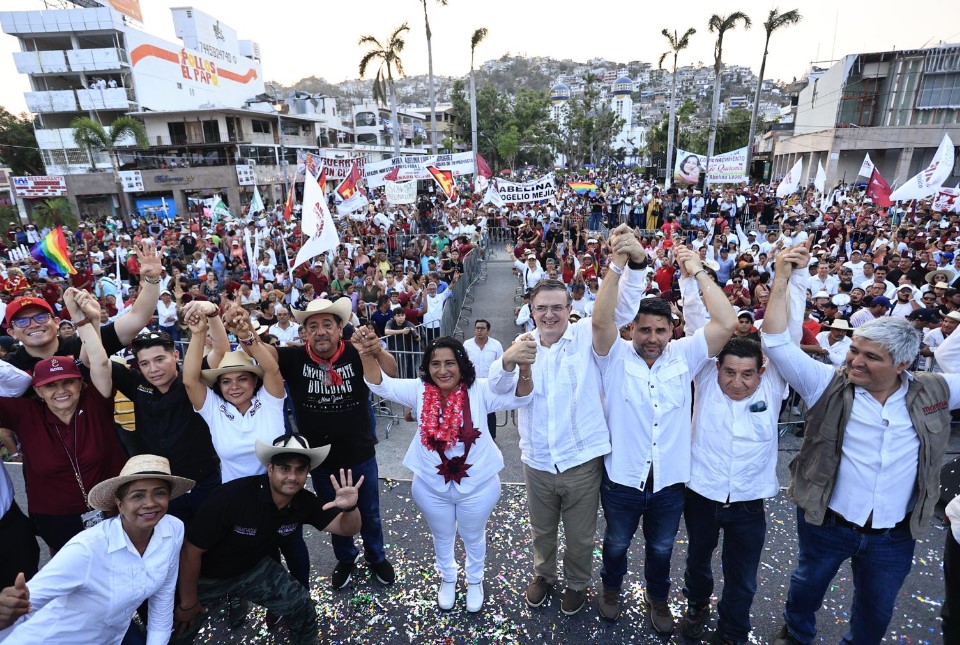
{"x":659,"y":614}
{"x":609,"y":605}
{"x":537,"y":591}
{"x":572,"y":600}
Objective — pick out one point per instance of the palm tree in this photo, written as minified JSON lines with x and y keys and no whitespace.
{"x":475,"y":40}
{"x":775,"y":21}
{"x":51,"y":213}
{"x":433,"y":92}
{"x":91,"y":136}
{"x":720,"y":25}
{"x":677,"y":45}
{"x":389,"y":57}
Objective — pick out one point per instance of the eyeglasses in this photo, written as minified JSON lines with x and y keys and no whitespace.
{"x":26,"y":320}
{"x":556,"y":309}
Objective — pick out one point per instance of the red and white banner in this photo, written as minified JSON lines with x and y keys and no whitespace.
{"x":40,"y":186}
{"x":947,"y":200}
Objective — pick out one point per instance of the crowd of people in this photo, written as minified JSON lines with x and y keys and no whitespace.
{"x":169,"y":400}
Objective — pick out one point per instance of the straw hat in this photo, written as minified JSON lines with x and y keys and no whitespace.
{"x":839,"y":323}
{"x":235,"y":361}
{"x":947,"y":271}
{"x":291,"y":444}
{"x":342,"y":308}
{"x":103,"y":496}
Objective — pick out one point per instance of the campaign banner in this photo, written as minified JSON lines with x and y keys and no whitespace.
{"x":131,"y":180}
{"x":460,"y":163}
{"x":246,"y":175}
{"x":947,"y":200}
{"x":726,"y":168}
{"x":337,"y":166}
{"x":537,"y":190}
{"x":401,"y":192}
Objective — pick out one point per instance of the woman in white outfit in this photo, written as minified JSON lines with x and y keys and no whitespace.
{"x":455,"y":465}
{"x":88,"y":593}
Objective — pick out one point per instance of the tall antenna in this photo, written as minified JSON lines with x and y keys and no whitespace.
{"x":833,"y":46}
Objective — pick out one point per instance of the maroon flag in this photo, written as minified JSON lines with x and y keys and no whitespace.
{"x":879,"y":190}
{"x":482,"y":168}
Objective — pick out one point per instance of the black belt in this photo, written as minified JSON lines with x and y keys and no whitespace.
{"x":866,"y":530}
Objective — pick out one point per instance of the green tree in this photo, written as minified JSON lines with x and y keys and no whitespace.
{"x":433,"y":94}
{"x":677,"y":45}
{"x":508,"y":144}
{"x":90,"y":135}
{"x":18,"y":144}
{"x":388,"y":55}
{"x":9,"y":218}
{"x":720,"y":25}
{"x":460,"y":102}
{"x":775,"y":21}
{"x":51,"y":213}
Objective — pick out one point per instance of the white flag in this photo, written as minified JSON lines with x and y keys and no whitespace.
{"x":820,"y":180}
{"x":492,"y":196}
{"x":789,"y":183}
{"x":256,"y":204}
{"x":220,"y":210}
{"x":322,"y":230}
{"x":928,"y":181}
{"x":866,"y":168}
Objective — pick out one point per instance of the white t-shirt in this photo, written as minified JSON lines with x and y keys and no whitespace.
{"x":235,"y":434}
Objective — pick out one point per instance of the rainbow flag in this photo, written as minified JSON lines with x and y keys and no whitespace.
{"x":582,"y":187}
{"x":52,"y":251}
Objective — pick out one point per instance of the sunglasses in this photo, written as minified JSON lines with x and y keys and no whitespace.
{"x":26,"y":320}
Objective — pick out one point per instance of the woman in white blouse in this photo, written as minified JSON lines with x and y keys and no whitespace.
{"x":89,"y":591}
{"x":455,"y":465}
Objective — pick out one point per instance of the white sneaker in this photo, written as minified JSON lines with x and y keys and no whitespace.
{"x":474,"y":596}
{"x":447,"y":595}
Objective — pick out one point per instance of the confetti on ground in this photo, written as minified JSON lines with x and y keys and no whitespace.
{"x":406,"y":612}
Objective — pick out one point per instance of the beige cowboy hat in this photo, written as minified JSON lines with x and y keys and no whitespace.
{"x":291,"y":444}
{"x":103,"y":496}
{"x":839,"y":323}
{"x":342,"y":308}
{"x":258,"y":328}
{"x":947,"y":271}
{"x":235,"y":361}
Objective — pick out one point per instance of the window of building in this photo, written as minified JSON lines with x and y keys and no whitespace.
{"x":291,"y":129}
{"x":939,"y":91}
{"x":262,"y":127}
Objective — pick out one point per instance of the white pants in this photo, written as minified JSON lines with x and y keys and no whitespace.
{"x":450,"y":512}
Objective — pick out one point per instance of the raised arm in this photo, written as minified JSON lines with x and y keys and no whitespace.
{"x":193,"y":362}
{"x":82,"y":304}
{"x":723,"y":320}
{"x":215,"y":328}
{"x":139,"y":315}
{"x":605,"y":331}
{"x":366,"y":341}
{"x":267,"y":360}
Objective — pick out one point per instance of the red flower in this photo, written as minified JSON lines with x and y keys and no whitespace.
{"x":453,"y":469}
{"x":469,"y":436}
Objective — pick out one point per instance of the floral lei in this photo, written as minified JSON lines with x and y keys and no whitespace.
{"x":438,"y":433}
{"x":441,"y":435}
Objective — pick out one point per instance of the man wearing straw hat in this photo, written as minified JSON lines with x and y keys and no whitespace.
{"x":331,"y":400}
{"x":835,"y":341}
{"x":229,"y":547}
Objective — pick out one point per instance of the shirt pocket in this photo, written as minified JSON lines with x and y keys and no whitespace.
{"x":672,"y":384}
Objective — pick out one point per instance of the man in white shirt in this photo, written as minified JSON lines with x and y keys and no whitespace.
{"x":647,"y":402}
{"x":434,"y":313}
{"x":936,"y":337}
{"x":563,"y":434}
{"x":530,"y":270}
{"x":835,"y":342}
{"x":286,"y":331}
{"x":823,"y":280}
{"x":167,"y":315}
{"x":855,"y":264}
{"x":482,"y":351}
{"x":867,"y":477}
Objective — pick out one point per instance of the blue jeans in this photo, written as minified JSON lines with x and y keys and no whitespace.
{"x":173,"y":330}
{"x":744,"y":526}
{"x":880,"y":564}
{"x":595,"y":221}
{"x":623,"y":507}
{"x":369,"y":506}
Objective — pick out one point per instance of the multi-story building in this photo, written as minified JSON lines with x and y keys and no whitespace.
{"x":212,"y":125}
{"x":893,"y":105}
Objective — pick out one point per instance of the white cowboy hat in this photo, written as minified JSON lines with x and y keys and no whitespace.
{"x":341,"y":308}
{"x":235,"y":361}
{"x":839,"y":323}
{"x":103,"y":496}
{"x":947,"y":271}
{"x":291,"y":444}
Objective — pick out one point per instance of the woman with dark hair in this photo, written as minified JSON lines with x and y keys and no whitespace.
{"x":455,"y":465}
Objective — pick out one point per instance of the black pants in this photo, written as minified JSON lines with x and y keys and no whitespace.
{"x":492,"y":425}
{"x":950,"y":612}
{"x":56,"y":530}
{"x":20,"y":549}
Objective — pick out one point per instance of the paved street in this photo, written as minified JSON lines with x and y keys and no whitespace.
{"x":366,"y":612}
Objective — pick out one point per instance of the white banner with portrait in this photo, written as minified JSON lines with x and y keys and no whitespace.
{"x":726,"y":168}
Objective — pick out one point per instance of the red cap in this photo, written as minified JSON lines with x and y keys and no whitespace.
{"x":55,"y":368}
{"x":21,"y":303}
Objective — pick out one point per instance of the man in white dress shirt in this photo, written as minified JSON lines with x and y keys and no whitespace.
{"x":482,"y":351}
{"x":286,"y":331}
{"x":647,"y":403}
{"x":563,"y":434}
{"x":867,"y":477}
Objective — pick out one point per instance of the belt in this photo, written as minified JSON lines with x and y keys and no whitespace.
{"x":866,"y":530}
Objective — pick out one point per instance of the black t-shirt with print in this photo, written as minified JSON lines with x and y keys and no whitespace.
{"x":338,"y":415}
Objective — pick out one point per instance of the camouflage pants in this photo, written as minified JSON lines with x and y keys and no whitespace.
{"x":269,"y":585}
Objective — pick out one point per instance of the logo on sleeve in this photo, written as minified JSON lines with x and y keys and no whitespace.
{"x":935,"y":407}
